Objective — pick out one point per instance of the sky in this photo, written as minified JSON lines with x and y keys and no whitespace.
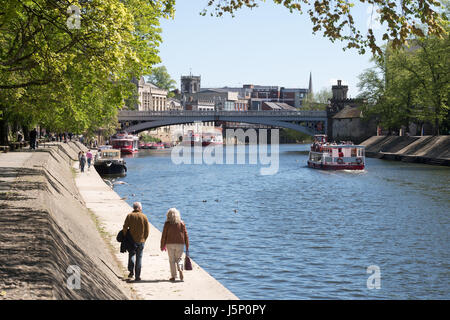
{"x":263,"y":46}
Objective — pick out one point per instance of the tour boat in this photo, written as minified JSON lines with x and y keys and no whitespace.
{"x":191,"y":139}
{"x":209,"y":138}
{"x":157,"y":145}
{"x":204,"y":139}
{"x":126,"y":143}
{"x":108,"y":162}
{"x":332,"y":156}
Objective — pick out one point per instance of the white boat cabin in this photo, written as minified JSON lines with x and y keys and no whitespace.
{"x":110,"y":154}
{"x":325,"y":153}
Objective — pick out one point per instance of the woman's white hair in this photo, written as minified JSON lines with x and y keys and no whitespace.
{"x":173,"y":216}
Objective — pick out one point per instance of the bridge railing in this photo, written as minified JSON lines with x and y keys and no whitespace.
{"x":195,"y":113}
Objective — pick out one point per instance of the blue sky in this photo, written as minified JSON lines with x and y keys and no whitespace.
{"x":264,"y":46}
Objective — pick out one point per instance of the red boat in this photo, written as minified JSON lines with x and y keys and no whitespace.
{"x":191,"y":139}
{"x":210,"y":138}
{"x":332,"y":156}
{"x":126,"y":143}
{"x":157,"y":145}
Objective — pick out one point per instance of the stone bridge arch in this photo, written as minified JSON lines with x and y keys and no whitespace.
{"x":141,"y":121}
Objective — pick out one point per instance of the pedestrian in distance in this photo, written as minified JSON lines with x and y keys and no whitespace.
{"x":82,"y":161}
{"x":33,"y":137}
{"x":19,"y":136}
{"x":174,"y":237}
{"x":79,"y":159}
{"x":136,"y":223}
{"x":89,"y":158}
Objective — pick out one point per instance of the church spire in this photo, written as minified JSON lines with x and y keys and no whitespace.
{"x":310,"y":87}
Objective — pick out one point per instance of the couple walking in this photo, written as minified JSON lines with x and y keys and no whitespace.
{"x":83,"y":158}
{"x":174,"y":238}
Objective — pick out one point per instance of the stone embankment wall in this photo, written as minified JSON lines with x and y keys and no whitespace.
{"x":419,"y":149}
{"x":46,"y":228}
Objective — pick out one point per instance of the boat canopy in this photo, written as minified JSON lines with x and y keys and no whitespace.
{"x":110,"y":154}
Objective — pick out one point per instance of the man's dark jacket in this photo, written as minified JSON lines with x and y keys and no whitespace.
{"x":127,"y":242}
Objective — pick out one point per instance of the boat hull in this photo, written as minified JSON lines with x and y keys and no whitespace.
{"x":110,"y":168}
{"x":207,"y":143}
{"x":335,"y":166}
{"x":128,"y":151}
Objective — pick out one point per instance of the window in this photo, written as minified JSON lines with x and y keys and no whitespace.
{"x":315,"y":157}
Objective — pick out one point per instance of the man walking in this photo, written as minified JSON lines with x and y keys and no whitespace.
{"x":33,"y":137}
{"x":137,"y":224}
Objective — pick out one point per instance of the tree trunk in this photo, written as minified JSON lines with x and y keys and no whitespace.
{"x":4,"y":133}
{"x":436,"y":126}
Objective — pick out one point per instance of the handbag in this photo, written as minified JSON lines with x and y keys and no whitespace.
{"x":187,"y":262}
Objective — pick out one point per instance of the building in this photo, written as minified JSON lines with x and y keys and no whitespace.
{"x":271,"y":93}
{"x":173,"y":104}
{"x":190,"y":84}
{"x":293,"y":96}
{"x":247,"y":97}
{"x":151,"y":98}
{"x":241,"y":105}
{"x":349,"y":124}
{"x":200,"y":105}
{"x":345,"y":118}
{"x":218,"y":97}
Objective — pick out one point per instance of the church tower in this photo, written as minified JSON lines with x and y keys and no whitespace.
{"x":190,"y":84}
{"x":310,"y":87}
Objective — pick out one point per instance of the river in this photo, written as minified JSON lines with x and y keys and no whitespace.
{"x":302,"y":233}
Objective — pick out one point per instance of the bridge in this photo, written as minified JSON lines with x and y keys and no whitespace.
{"x":305,"y":121}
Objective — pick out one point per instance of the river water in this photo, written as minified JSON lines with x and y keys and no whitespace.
{"x":306,"y":234}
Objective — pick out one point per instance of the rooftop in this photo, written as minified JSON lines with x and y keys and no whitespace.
{"x":348,"y":113}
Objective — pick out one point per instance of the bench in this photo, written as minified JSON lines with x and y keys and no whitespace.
{"x":18,"y":145}
{"x":5,"y":149}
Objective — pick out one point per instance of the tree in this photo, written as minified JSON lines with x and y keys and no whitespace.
{"x":317,"y":101}
{"x":404,"y":19}
{"x":161,"y":78}
{"x":426,"y":68}
{"x":70,"y":76}
{"x":410,"y":84}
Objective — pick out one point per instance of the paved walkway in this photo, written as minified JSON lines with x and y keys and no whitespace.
{"x":12,"y":162}
{"x":111,"y":211}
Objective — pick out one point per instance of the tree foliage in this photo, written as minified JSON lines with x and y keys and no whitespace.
{"x":70,"y":77}
{"x":336,"y":20}
{"x":317,"y":101}
{"x":411,"y":84}
{"x":161,"y":78}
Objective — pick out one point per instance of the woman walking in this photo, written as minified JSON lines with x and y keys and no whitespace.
{"x":89,"y":158}
{"x":174,"y":238}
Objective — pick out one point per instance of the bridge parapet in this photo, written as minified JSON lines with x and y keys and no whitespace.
{"x":302,"y":120}
{"x":194,"y":113}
